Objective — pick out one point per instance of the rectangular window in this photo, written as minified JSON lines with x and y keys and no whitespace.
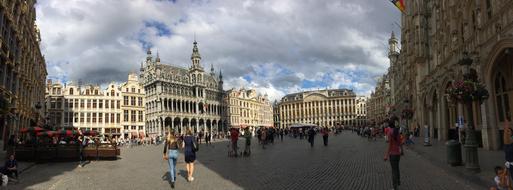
{"x":88,"y":117}
{"x":76,"y":103}
{"x":140,"y":116}
{"x":125,"y":100}
{"x":66,"y":104}
{"x":132,"y":101}
{"x":140,"y":128}
{"x":66,"y":117}
{"x":81,"y":117}
{"x":75,"y":117}
{"x":100,"y":117}
{"x":70,"y":104}
{"x":139,"y":101}
{"x":133,"y":127}
{"x":112,"y":118}
{"x":100,"y":104}
{"x":94,"y":103}
{"x":132,"y":116}
{"x":125,"y":127}
{"x":88,"y":103}
{"x":81,"y":103}
{"x":106,"y":103}
{"x":112,"y":104}
{"x":106,"y":117}
{"x":118,"y":117}
{"x":133,"y":90}
{"x":118,"y":104}
{"x":125,"y":115}
{"x":94,"y":117}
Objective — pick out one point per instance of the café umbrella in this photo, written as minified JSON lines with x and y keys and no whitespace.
{"x":32,"y":129}
{"x":46,"y":133}
{"x":67,"y":133}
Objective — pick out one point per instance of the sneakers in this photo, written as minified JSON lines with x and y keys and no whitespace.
{"x":190,"y":179}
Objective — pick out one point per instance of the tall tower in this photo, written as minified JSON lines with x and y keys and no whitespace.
{"x":196,"y":57}
{"x":393,"y":49}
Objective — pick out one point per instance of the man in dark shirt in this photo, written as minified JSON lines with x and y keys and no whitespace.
{"x":11,"y":167}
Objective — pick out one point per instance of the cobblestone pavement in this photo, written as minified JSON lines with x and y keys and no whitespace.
{"x":349,"y":162}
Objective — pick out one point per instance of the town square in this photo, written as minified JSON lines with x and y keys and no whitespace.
{"x":256,"y":94}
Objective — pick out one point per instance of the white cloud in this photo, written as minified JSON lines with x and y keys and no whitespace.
{"x":270,"y":45}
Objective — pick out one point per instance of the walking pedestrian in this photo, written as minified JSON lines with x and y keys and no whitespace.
{"x":325,"y":133}
{"x":311,"y":135}
{"x":190,"y":147}
{"x":393,"y":152}
{"x":83,"y":144}
{"x":207,"y":138}
{"x":247,"y":148}
{"x":508,"y":147}
{"x":264,"y":137}
{"x":281,"y":134}
{"x":171,"y":154}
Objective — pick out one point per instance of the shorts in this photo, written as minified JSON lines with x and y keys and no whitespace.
{"x":190,"y":157}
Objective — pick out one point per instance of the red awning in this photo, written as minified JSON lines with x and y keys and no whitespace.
{"x":141,"y":134}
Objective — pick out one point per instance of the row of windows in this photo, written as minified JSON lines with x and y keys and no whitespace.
{"x":88,"y":117}
{"x":133,"y":116}
{"x":86,"y":103}
{"x":125,"y":127}
{"x":132,"y":101}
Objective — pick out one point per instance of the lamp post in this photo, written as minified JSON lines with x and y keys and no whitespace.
{"x":471,"y":154}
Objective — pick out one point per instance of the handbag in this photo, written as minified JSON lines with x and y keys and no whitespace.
{"x":195,"y":146}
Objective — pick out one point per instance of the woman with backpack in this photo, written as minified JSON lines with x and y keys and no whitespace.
{"x":393,"y":152}
{"x":190,"y":147}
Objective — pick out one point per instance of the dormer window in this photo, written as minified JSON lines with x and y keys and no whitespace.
{"x":71,"y":91}
{"x":112,"y":93}
{"x":87,"y":92}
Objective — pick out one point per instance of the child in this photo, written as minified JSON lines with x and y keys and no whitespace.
{"x":501,"y":179}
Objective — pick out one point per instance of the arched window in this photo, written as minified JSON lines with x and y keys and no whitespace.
{"x":71,"y":91}
{"x":112,"y":93}
{"x":501,"y":95}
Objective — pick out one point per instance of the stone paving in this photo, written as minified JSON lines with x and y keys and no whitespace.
{"x":349,"y":162}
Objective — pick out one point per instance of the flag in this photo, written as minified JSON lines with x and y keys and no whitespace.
{"x":399,"y":4}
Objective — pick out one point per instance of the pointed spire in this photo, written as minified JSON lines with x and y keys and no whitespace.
{"x":212,"y":68}
{"x":148,"y":55}
{"x":196,"y":57}
{"x":220,"y":74}
{"x":158,"y":57}
{"x":392,"y":36}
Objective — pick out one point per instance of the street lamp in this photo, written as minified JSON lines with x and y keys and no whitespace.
{"x":471,"y":154}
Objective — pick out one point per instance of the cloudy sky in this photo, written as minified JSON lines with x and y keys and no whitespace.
{"x":275,"y":46}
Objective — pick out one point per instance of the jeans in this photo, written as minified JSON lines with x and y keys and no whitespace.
{"x":173,"y":156}
{"x":325,"y":138}
{"x":396,"y":176}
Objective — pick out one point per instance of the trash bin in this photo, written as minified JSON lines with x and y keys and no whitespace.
{"x":453,"y":153}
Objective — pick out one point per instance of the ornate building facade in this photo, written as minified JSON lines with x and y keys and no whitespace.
{"x":246,"y":108}
{"x":380,"y":101}
{"x":435,"y":36}
{"x":178,"y":97}
{"x":117,"y":110}
{"x":361,"y":110}
{"x":326,"y":108}
{"x":276,"y":114}
{"x":22,"y":67}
